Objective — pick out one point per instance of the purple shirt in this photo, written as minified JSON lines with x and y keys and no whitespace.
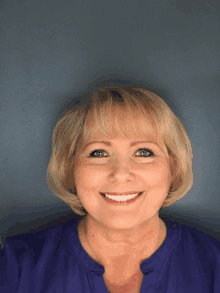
{"x":54,"y":261}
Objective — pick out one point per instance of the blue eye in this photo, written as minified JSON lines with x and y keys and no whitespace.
{"x":142,"y":150}
{"x":145,"y":150}
{"x":96,"y":151}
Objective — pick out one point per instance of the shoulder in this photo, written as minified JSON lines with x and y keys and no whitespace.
{"x":190,"y":234}
{"x":51,"y":234}
{"x":186,"y":240}
{"x":200,"y":244}
{"x":198,"y":236}
{"x":29,"y":252}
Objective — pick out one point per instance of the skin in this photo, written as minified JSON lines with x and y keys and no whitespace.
{"x":121,"y":237}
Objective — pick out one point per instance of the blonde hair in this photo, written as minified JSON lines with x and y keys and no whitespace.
{"x":106,"y":107}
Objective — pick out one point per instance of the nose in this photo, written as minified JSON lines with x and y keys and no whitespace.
{"x":121,"y":170}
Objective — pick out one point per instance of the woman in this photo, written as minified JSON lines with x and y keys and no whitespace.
{"x":116,"y":160}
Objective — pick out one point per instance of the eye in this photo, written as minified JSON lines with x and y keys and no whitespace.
{"x":146,"y":150}
{"x":143,"y":150}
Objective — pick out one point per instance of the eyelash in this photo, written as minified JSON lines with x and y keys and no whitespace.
{"x":152,"y":154}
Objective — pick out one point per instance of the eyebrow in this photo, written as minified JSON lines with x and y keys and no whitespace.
{"x":109,"y":144}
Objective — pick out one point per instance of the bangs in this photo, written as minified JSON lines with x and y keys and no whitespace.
{"x":120,"y":121}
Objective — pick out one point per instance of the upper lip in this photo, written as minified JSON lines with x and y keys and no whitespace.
{"x":122,"y":193}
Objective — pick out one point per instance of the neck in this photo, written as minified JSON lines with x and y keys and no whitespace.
{"x":107,"y":245}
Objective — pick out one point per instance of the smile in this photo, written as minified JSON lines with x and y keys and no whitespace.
{"x":121,"y":199}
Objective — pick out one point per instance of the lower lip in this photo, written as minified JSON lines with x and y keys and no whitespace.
{"x":114,"y":202}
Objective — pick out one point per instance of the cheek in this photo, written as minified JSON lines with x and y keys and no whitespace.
{"x":88,"y":179}
{"x":157,"y":175}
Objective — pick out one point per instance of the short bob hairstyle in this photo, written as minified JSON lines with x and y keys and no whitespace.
{"x":117,"y":110}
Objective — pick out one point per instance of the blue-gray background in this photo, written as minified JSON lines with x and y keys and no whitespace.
{"x":54,"y":51}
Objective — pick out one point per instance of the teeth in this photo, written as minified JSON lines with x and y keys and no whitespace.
{"x":121,"y":197}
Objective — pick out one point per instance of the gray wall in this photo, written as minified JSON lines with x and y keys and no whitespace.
{"x":53,"y":51}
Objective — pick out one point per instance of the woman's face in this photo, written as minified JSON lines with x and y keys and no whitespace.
{"x":121,"y":167}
